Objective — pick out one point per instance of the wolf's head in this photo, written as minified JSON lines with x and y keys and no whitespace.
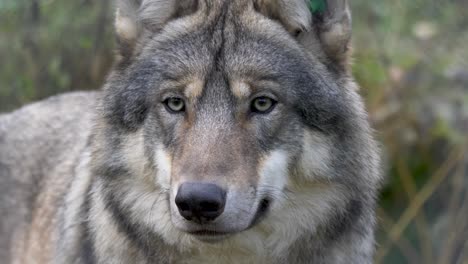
{"x":227,"y":117}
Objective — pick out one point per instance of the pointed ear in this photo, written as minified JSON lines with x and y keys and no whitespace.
{"x":333,"y":25}
{"x":127,"y":25}
{"x":294,"y":15}
{"x":321,"y":26}
{"x":136,"y":18}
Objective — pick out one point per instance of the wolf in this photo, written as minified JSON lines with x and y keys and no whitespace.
{"x":226,"y":132}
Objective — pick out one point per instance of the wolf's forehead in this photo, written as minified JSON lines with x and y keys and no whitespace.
{"x":224,"y":44}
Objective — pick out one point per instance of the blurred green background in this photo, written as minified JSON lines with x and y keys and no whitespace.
{"x":410,"y":59}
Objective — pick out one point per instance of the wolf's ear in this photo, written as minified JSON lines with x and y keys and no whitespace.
{"x":332,"y":22}
{"x":293,"y":14}
{"x":136,"y":18}
{"x":329,"y":36}
{"x":321,"y":26}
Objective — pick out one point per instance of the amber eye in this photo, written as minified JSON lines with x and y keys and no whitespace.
{"x":174,"y":104}
{"x":263,"y":105}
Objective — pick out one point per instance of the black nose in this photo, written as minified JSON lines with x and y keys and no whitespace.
{"x":200,"y":201}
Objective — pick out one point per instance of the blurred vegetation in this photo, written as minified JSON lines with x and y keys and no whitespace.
{"x":50,"y":46}
{"x":411,"y":61}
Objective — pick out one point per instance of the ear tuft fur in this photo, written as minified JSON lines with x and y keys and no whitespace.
{"x":134,"y":18}
{"x":155,"y":13}
{"x":126,"y":27}
{"x":331,"y":24}
{"x":334,"y":26}
{"x":293,"y":14}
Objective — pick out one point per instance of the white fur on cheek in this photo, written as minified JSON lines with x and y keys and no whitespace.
{"x":315,"y":159}
{"x":164,"y":164}
{"x":274,"y":171}
{"x":133,"y":151}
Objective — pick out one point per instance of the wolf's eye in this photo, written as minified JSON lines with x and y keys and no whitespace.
{"x":174,"y":104}
{"x":262,"y":105}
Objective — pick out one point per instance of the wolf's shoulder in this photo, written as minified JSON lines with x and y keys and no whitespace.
{"x":39,"y":144}
{"x":46,"y":127}
{"x":51,"y":113}
{"x":72,"y":101}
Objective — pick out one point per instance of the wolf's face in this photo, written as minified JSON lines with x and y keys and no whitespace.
{"x":219,"y":114}
{"x":229,"y":124}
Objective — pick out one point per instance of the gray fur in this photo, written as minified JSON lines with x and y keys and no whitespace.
{"x":93,"y":175}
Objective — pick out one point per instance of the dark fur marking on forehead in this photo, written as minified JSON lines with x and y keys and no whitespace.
{"x":219,"y":34}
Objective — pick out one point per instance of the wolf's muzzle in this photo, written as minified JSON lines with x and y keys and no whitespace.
{"x":200,"y":202}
